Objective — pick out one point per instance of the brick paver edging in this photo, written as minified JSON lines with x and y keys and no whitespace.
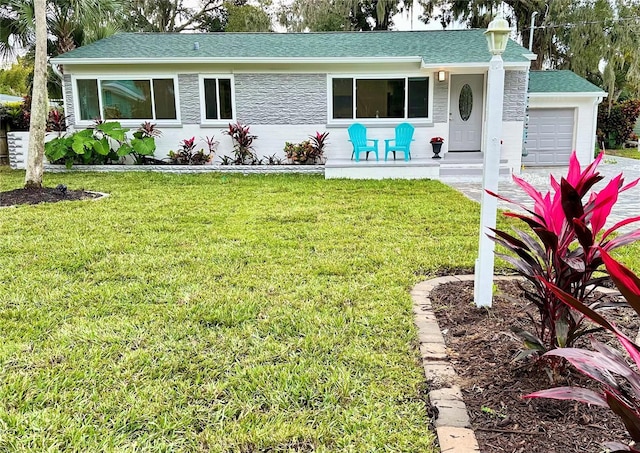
{"x":452,"y":424}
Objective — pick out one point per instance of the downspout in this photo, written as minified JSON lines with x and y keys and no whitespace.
{"x":594,"y":130}
{"x":56,"y":70}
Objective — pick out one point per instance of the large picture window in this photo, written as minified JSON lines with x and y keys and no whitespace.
{"x":394,"y":97}
{"x":127,"y":99}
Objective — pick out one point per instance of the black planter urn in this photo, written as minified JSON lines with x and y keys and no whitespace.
{"x":437,"y":147}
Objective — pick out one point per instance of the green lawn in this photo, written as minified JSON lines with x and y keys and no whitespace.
{"x":221,"y":313}
{"x":631,"y":153}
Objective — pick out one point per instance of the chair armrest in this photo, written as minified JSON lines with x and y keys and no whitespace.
{"x":389,"y":140}
{"x":375,"y":141}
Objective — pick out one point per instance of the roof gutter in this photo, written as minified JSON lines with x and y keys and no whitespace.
{"x":581,"y":94}
{"x":306,"y":60}
{"x":507,"y":65}
{"x":56,"y":69}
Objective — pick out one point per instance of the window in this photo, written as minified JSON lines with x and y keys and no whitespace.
{"x":397,"y":97}
{"x":127,"y":99}
{"x":217,"y":101}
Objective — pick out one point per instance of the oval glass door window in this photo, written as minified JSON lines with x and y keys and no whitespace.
{"x":465,"y":103}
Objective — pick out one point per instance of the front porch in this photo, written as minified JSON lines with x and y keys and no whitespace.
{"x":453,"y":167}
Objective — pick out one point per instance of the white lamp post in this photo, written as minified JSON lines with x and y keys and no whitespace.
{"x":497,"y":37}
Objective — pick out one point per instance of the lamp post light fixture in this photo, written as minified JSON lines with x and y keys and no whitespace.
{"x":497,"y":37}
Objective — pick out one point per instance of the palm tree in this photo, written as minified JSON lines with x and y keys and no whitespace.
{"x":38,"y":120}
{"x":70,"y":23}
{"x":26,"y":25}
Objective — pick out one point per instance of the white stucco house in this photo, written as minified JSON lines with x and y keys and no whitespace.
{"x":287,"y":86}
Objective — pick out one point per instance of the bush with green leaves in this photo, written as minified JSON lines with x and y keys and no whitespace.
{"x":106,"y":142}
{"x":16,"y":115}
{"x":615,"y":124}
{"x":562,"y":249}
{"x":143,"y":143}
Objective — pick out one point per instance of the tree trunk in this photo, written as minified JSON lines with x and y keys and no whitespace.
{"x":39,"y":102}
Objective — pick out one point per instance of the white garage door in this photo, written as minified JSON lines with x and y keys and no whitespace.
{"x":549,"y":137}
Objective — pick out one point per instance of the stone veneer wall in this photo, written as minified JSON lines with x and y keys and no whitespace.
{"x":515,"y":95}
{"x":281,"y":98}
{"x":69,"y":111}
{"x":189,"y":89}
{"x":440,"y":100}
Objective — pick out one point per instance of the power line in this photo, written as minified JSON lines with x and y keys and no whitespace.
{"x":569,"y":25}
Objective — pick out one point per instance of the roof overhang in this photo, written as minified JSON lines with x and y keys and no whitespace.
{"x":566,"y":94}
{"x":196,"y":60}
{"x":507,"y":65}
{"x":285,"y":60}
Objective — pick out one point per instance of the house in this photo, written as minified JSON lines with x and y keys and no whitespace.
{"x":287,"y":86}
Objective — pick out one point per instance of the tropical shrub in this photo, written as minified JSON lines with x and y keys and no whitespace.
{"x":562,"y":249}
{"x":319,"y":142}
{"x":309,"y":151}
{"x":619,"y":382}
{"x":16,"y":115}
{"x":616,"y":125}
{"x":188,"y":155}
{"x":242,"y":144}
{"x":299,"y":152}
{"x":56,"y":121}
{"x":143,"y":143}
{"x":104,"y":143}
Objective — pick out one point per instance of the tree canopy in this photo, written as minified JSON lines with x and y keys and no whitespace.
{"x":597,"y":39}
{"x":340,"y":15}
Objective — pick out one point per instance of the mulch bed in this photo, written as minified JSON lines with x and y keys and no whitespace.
{"x":43,"y":195}
{"x":481,"y":345}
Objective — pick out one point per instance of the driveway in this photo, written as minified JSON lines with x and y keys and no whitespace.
{"x":628,"y":204}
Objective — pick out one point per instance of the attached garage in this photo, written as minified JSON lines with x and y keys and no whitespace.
{"x":562,"y":115}
{"x":549,"y":137}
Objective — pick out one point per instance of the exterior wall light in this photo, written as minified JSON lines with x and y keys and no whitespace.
{"x":442,"y":76}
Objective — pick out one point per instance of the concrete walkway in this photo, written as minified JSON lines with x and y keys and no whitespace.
{"x":628,"y":204}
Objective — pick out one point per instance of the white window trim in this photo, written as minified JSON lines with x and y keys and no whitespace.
{"x":125,"y":122}
{"x":203,"y":107}
{"x":378,"y":121}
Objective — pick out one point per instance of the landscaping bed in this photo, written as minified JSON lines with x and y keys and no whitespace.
{"x":481,"y":345}
{"x":43,"y":195}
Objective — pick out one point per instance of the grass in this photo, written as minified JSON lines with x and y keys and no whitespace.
{"x":631,"y":153}
{"x":221,"y":313}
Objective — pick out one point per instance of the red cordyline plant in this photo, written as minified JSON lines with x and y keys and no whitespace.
{"x":563,"y":249}
{"x":243,"y":143}
{"x":620,"y":382}
{"x":188,"y":155}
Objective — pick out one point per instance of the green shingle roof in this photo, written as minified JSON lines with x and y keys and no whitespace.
{"x":560,"y":82}
{"x":434,"y":47}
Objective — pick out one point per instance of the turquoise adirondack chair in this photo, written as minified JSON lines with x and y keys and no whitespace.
{"x":402,"y":142}
{"x":358,"y":138}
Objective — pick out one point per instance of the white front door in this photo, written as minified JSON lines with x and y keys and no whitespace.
{"x":465,"y":112}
